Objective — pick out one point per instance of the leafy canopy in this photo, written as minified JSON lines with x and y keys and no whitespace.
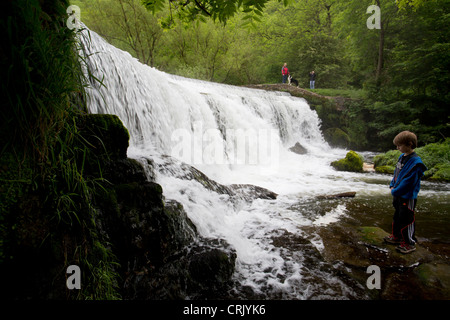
{"x":221,"y":10}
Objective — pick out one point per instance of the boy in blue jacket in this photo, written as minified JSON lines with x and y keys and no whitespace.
{"x":405,"y":186}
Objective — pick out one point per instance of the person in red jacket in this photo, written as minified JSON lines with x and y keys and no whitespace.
{"x":285,"y":72}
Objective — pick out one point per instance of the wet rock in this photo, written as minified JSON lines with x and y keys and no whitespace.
{"x":298,"y":148}
{"x":342,"y":244}
{"x":359,"y":247}
{"x":368,"y":167}
{"x":385,"y":169}
{"x":211,"y":266}
{"x":436,"y":277}
{"x":201,"y":271}
{"x":184,"y":171}
{"x":350,"y":194}
{"x":250,"y":192}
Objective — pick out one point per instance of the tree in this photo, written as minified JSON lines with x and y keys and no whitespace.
{"x":304,"y":36}
{"x":221,"y":10}
{"x":367,"y":48}
{"x":126,"y":24}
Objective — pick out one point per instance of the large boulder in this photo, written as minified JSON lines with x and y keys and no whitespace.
{"x":298,"y":148}
{"x":159,"y":251}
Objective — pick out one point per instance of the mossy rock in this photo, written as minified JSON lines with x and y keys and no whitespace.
{"x":336,"y":137}
{"x":352,"y":162}
{"x":106,"y":134}
{"x":372,"y":235}
{"x":385,"y":169}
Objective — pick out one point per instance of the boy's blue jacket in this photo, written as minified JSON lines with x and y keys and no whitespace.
{"x":406,"y":183}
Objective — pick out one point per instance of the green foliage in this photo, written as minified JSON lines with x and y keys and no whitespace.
{"x":346,"y":93}
{"x":402,"y":4}
{"x":45,"y":194}
{"x":220,"y":10}
{"x":336,"y":137}
{"x":41,"y":75}
{"x":126,"y":24}
{"x":389,"y":158}
{"x":15,"y":181}
{"x":436,"y":156}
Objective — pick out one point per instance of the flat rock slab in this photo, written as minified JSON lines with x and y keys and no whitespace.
{"x":422,"y":274}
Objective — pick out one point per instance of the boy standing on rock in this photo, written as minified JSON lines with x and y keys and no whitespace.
{"x":405,"y":186}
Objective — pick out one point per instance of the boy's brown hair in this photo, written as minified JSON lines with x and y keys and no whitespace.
{"x":406,"y":138}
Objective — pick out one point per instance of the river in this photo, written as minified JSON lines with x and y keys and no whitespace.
{"x":239,"y":135}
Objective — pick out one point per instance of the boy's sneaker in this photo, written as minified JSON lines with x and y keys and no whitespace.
{"x":392,"y":240}
{"x":406,"y":248}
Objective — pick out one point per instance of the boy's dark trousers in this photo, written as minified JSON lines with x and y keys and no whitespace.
{"x":403,"y":224}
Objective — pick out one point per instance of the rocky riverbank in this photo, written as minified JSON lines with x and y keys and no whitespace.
{"x":422,"y":274}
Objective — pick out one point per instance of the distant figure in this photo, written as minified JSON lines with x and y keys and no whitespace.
{"x":405,"y":186}
{"x":285,"y":72}
{"x":312,"y":79}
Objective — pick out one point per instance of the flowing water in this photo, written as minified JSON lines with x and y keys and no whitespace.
{"x":238,"y":135}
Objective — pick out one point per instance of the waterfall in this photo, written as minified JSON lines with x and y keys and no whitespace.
{"x":234,"y":135}
{"x":157,"y":108}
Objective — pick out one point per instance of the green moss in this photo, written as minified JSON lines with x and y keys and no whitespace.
{"x":336,"y":137}
{"x":352,"y":162}
{"x":385,"y":169}
{"x":372,"y":235}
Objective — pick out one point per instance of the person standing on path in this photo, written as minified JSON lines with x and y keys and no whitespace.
{"x":312,"y":79}
{"x":284,"y":72}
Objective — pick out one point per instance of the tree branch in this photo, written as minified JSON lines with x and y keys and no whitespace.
{"x":202,"y":8}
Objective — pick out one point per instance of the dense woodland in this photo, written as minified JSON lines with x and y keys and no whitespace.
{"x":400,"y":70}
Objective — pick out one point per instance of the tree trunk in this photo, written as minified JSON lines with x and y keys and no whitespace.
{"x":380,"y":62}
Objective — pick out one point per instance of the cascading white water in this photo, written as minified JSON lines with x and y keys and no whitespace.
{"x":234,"y":135}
